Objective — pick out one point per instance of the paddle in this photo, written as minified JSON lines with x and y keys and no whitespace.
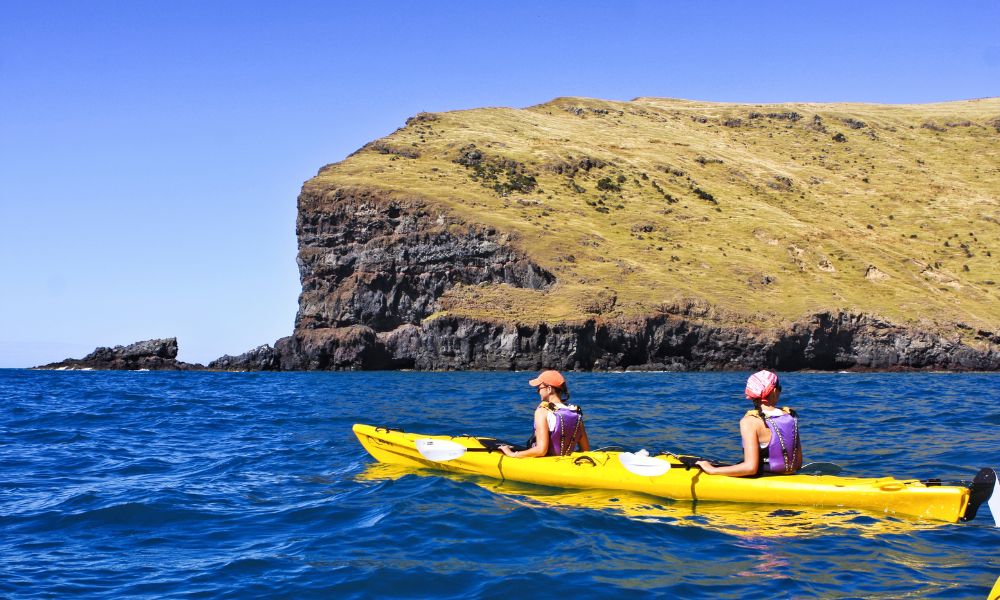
{"x":820,"y":468}
{"x":640,"y":463}
{"x":444,"y":450}
{"x":813,"y":468}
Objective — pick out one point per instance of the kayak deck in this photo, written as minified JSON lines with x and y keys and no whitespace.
{"x":603,"y":469}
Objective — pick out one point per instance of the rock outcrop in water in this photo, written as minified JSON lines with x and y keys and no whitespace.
{"x":153,"y":355}
{"x":261,"y":358}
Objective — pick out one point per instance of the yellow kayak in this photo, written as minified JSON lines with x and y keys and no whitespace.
{"x":667,"y":476}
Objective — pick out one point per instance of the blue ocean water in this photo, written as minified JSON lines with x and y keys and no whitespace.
{"x":251,"y":485}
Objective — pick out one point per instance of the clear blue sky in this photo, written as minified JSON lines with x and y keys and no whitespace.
{"x":151,"y":152}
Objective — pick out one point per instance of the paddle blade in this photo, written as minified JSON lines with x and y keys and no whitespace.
{"x":641,"y":463}
{"x":439,"y":450}
{"x":820,"y":468}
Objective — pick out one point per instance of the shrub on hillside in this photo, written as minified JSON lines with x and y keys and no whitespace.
{"x":785,"y":116}
{"x":607,"y":185}
{"x":817,"y":124}
{"x":502,"y":175}
{"x":780,"y":183}
{"x":382,"y":147}
{"x":704,"y":195}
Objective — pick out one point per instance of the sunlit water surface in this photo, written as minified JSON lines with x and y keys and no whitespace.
{"x":215,"y":485}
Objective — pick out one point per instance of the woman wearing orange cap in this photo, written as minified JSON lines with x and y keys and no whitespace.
{"x":770,"y":434}
{"x":559,"y":426}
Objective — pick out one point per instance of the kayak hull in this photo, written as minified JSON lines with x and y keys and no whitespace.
{"x":605,"y":470}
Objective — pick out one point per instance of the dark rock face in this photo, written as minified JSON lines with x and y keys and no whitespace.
{"x":843,"y":340}
{"x":826,"y":342}
{"x":261,"y":358}
{"x":155,"y":355}
{"x":368,"y":259}
{"x":342,"y":348}
{"x":373,"y":267}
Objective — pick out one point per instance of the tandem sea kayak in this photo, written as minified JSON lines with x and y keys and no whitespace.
{"x":673,"y":477}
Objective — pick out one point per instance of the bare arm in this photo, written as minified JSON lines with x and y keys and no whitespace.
{"x":751,"y":453}
{"x":584,"y":440}
{"x":541,"y":447}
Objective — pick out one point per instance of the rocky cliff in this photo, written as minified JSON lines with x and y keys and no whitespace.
{"x":655,"y":234}
{"x":375,"y":269}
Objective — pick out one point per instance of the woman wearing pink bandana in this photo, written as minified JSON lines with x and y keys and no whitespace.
{"x":770,"y":434}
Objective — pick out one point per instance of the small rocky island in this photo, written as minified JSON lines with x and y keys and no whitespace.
{"x":150,"y":355}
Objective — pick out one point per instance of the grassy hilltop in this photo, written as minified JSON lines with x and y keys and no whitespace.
{"x":755,"y":215}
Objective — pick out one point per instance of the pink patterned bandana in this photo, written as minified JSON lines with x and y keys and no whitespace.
{"x":760,"y":384}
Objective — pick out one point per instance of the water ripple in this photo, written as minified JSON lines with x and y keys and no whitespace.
{"x":223,"y":485}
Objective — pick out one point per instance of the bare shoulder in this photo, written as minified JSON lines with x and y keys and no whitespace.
{"x":751,"y":422}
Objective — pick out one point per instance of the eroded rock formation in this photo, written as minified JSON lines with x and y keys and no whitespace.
{"x":154,"y":355}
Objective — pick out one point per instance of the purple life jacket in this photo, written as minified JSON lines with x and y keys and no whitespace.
{"x":564,"y":438}
{"x":782,"y":450}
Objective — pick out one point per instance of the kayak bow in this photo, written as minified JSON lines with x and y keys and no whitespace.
{"x":670,"y":476}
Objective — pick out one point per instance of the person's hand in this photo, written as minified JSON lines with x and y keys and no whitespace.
{"x":506,"y":450}
{"x":705,"y":466}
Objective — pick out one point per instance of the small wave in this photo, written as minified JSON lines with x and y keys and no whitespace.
{"x":253,"y":486}
{"x":135,"y":514}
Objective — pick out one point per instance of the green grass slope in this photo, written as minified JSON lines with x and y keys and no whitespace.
{"x":764,"y":213}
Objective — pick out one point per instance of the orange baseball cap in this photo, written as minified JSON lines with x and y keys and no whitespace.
{"x":553,"y":378}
